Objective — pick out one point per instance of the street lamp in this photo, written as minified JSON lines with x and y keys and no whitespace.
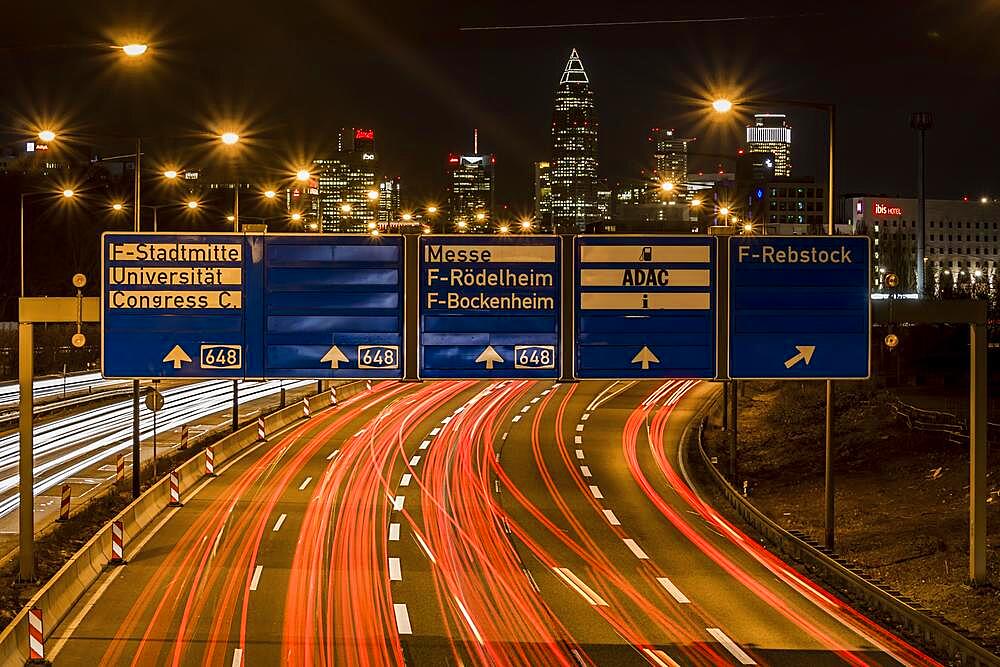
{"x":47,"y":136}
{"x":192,"y":203}
{"x":407,"y":217}
{"x":372,"y":195}
{"x":170,"y":174}
{"x":117,"y":206}
{"x":345,"y":208}
{"x":526,"y":225}
{"x":666,"y":186}
{"x":231,"y":138}
{"x":303,"y":175}
{"x":270,"y":194}
{"x":134,"y":50}
{"x":696,"y":202}
{"x":722,"y":105}
{"x":296,"y":216}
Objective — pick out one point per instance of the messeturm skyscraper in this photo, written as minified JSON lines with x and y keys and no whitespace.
{"x":573,"y":175}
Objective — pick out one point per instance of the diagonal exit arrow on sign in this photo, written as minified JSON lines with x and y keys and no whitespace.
{"x":805,"y":354}
{"x":335,"y":357}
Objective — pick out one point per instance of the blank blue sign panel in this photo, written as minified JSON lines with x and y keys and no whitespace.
{"x":252,"y":306}
{"x":489,"y":306}
{"x":799,"y":307}
{"x":645,"y":307}
{"x":337,"y":298}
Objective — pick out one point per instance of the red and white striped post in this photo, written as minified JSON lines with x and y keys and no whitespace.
{"x":64,"y":503}
{"x":333,"y":395}
{"x":36,"y":638}
{"x":368,"y":384}
{"x":261,"y":434}
{"x":175,"y":489}
{"x":305,"y":407}
{"x":210,"y":461}
{"x":117,"y":543}
{"x":120,"y":468}
{"x":184,"y":436}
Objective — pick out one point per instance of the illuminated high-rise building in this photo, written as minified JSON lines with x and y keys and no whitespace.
{"x":389,"y":202}
{"x":670,"y":156}
{"x":345,"y":182}
{"x":770,"y":133}
{"x":573,"y":174}
{"x":543,"y":194}
{"x":470,"y":191}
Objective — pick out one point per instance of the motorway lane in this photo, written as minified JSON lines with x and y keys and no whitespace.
{"x":81,"y":448}
{"x":468,"y":523}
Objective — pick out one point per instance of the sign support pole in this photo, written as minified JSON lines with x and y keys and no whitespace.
{"x":411,"y":305}
{"x":734,"y":471}
{"x":977,"y":454}
{"x":828,"y":491}
{"x":135,"y":439}
{"x":567,"y":341}
{"x":25,"y":463}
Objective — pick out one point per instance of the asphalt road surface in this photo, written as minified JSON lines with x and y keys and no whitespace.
{"x":465,"y":523}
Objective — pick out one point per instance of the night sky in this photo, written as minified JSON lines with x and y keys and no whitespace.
{"x":293,"y":72}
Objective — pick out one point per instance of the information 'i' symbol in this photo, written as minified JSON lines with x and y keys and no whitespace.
{"x":645,"y":301}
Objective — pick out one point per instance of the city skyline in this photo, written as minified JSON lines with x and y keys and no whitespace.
{"x":509,"y":102}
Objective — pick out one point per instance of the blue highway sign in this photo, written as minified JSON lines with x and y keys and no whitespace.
{"x":173,"y":305}
{"x":799,"y":307}
{"x":333,"y":306}
{"x":251,"y":306}
{"x":645,"y":307}
{"x":489,"y":306}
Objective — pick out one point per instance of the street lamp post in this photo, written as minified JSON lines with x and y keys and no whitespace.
{"x":724,"y":106}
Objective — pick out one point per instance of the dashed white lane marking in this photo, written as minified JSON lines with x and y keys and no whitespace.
{"x":332,"y":454}
{"x":238,"y":657}
{"x":579,"y":453}
{"x":585,"y":471}
{"x":516,"y":418}
{"x":405,"y":479}
{"x":279,"y":522}
{"x":635,"y":549}
{"x":612,"y":519}
{"x":579,"y":427}
{"x":256,"y":577}
{"x":577,"y":439}
{"x":504,"y":436}
{"x":435,"y":431}
{"x":359,"y":433}
{"x":402,"y":618}
{"x":395,"y":570}
{"x":425,"y":444}
{"x":525,"y":408}
{"x":585,"y":417}
{"x":673,"y":590}
{"x":496,"y":485}
{"x":585,"y":591}
{"x":394,"y":532}
{"x":535,"y":400}
{"x":415,"y":460}
{"x":731,"y":646}
{"x":446,"y":419}
{"x":397,"y":503}
{"x":660,"y":658}
{"x":596,"y":492}
{"x":305,"y":483}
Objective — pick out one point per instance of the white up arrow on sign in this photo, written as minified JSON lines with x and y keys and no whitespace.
{"x":178,"y":356}
{"x":490,"y":356}
{"x":805,"y":354}
{"x":334,"y":356}
{"x":645,"y":357}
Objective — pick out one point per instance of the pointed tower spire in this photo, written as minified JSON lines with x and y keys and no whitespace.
{"x":574,"y":72}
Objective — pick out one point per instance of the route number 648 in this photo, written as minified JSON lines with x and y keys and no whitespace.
{"x":534,"y":356}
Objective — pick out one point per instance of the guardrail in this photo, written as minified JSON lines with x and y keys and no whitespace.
{"x":955,"y":429}
{"x":946,"y":637}
{"x":58,"y":596}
